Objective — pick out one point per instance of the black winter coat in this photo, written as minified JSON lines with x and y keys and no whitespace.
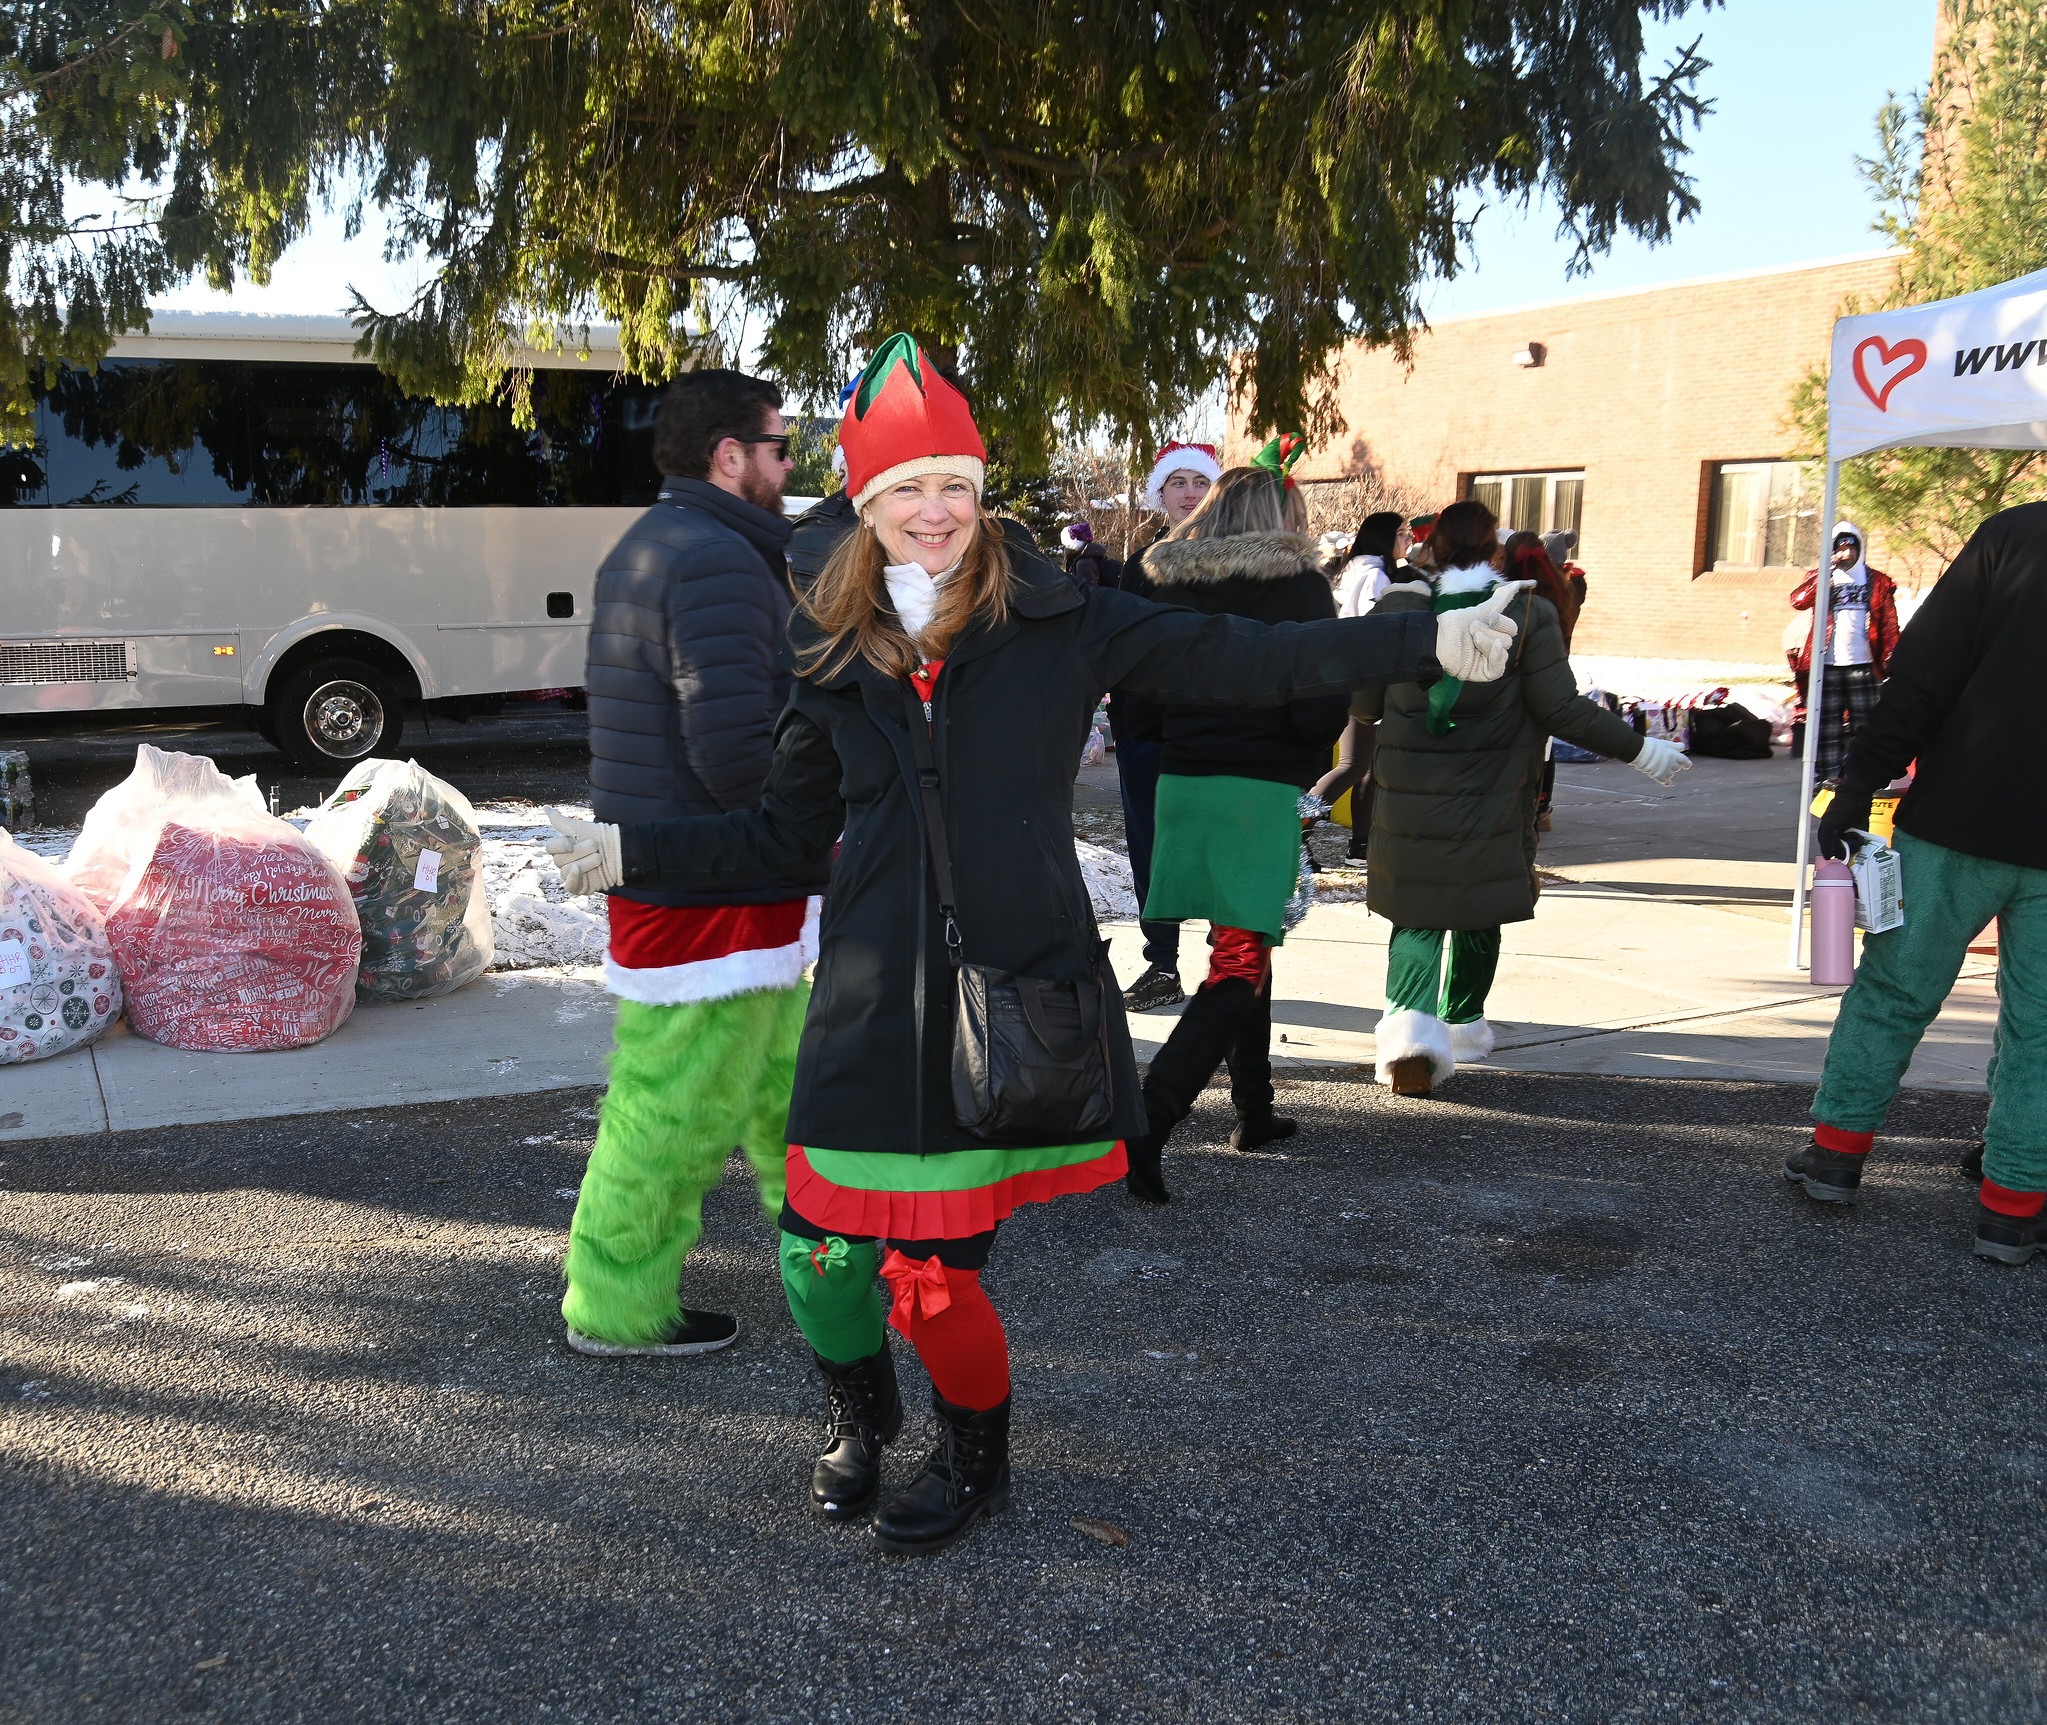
{"x":684,"y":676}
{"x":1270,"y":578}
{"x":1010,"y":714}
{"x":1958,"y":695}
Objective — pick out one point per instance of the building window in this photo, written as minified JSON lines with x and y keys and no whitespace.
{"x":1764,"y":515}
{"x":1534,"y":502}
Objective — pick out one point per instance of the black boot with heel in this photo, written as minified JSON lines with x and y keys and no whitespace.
{"x":966,"y":1478}
{"x":866,"y":1416}
{"x":1179,"y":1072}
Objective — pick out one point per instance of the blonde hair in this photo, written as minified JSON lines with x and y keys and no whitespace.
{"x":1245,"y":500}
{"x":850,"y":605}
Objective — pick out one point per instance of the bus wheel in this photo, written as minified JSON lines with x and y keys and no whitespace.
{"x":334,"y":712}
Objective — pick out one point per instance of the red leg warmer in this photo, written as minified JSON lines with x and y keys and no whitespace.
{"x":948,"y":1319}
{"x":1846,"y":1143}
{"x":1238,"y":952}
{"x":2006,"y":1202}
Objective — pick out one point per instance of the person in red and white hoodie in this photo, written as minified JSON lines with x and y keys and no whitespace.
{"x":686,"y":686}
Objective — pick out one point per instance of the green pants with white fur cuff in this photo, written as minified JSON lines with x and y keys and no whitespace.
{"x":1905,"y":978}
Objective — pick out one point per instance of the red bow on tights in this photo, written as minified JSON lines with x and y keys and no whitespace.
{"x":920,"y":1289}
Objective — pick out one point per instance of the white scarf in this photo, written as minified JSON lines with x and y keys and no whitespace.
{"x":914,"y":591}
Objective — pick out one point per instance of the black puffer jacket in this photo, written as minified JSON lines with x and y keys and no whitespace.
{"x":1010,"y":713}
{"x":1270,"y":578}
{"x":684,"y":680}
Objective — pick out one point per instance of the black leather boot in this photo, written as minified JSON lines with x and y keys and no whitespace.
{"x":866,"y":1414}
{"x":1250,"y":1059}
{"x":1831,"y":1176}
{"x":1179,"y":1071}
{"x":966,"y":1478}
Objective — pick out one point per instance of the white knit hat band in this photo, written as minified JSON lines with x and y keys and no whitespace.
{"x":967,"y":467}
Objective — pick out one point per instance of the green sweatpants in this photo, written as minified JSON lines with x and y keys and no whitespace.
{"x":688,"y":1083}
{"x":1904,"y":979}
{"x":1418,"y":981}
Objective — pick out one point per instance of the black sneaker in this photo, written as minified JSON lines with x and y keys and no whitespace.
{"x":1157,"y":987}
{"x":698,"y":1333}
{"x":1971,"y":1165}
{"x":2009,"y":1239}
{"x":1831,"y":1176}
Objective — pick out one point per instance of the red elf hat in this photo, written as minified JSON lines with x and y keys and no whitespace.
{"x":904,"y":420}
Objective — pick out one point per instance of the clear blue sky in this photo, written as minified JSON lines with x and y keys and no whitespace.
{"x":1795,"y":84}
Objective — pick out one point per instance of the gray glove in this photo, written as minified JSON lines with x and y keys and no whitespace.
{"x":1472,"y":644}
{"x":586,"y":852}
{"x":1660,"y":760}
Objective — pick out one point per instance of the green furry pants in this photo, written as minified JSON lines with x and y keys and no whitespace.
{"x":687,"y":1084}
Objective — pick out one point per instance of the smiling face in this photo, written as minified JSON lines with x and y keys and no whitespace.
{"x":1181,"y":494}
{"x":930,"y":520}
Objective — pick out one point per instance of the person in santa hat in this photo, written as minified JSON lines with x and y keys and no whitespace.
{"x":945,"y":679}
{"x":1181,"y":476}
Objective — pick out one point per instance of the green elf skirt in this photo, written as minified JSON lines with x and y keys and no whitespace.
{"x":1227,"y":851}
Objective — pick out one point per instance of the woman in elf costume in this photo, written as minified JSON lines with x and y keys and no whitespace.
{"x":925,"y":617}
{"x":1229,"y":802}
{"x":1459,"y":771}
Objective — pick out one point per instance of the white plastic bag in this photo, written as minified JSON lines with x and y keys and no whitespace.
{"x":58,"y":988}
{"x":230,"y":931}
{"x":408,"y":845}
{"x":122,"y":826}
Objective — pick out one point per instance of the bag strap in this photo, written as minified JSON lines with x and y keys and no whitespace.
{"x":916,"y":713}
{"x":1030,"y":992}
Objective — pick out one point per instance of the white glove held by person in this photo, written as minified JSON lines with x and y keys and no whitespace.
{"x":1472,"y":644}
{"x":1660,"y":760}
{"x":586,"y":852}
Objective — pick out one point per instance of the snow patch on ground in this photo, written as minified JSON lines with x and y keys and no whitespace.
{"x":1109,"y":886}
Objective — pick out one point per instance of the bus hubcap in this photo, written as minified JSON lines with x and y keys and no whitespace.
{"x":344,"y":719}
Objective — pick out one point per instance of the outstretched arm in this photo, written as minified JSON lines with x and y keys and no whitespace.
{"x":1193,"y":660}
{"x":800,"y":816}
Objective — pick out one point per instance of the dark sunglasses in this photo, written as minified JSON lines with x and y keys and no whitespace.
{"x":781,"y":444}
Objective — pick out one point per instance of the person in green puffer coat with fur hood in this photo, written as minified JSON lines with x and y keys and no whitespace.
{"x":1459,"y":772}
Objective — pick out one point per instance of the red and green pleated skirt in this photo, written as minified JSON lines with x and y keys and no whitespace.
{"x":949,"y":1197}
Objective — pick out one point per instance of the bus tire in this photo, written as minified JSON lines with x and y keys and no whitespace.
{"x":334,"y":712}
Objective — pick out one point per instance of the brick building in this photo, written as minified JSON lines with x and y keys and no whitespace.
{"x":1652,"y":421}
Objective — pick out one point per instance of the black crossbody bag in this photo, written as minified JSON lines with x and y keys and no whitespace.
{"x":1030,"y":1055}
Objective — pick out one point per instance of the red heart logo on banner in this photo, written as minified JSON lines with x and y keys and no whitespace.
{"x":1907,"y":357}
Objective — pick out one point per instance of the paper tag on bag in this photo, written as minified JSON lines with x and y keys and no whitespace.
{"x":427,"y":877}
{"x":13,"y":964}
{"x":1879,"y":887}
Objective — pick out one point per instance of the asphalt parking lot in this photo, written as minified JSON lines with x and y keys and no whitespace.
{"x":1542,"y":1400}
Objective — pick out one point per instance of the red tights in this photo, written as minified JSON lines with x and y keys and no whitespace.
{"x":947,"y":1317}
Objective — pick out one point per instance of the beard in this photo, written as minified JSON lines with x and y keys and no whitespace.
{"x":762,"y":490}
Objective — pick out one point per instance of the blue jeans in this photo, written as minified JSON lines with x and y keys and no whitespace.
{"x":1137,"y":774}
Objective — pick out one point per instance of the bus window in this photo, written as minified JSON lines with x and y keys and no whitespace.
{"x":146,"y":432}
{"x":291,"y":433}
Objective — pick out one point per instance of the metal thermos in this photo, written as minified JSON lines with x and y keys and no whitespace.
{"x":1833,"y":925}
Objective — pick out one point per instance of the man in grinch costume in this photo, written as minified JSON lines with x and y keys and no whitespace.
{"x":685,"y":688}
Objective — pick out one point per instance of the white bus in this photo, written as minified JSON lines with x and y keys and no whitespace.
{"x":234,"y":511}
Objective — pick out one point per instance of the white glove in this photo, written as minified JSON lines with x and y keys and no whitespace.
{"x":1660,"y":760}
{"x":1472,"y":644}
{"x":586,"y":852}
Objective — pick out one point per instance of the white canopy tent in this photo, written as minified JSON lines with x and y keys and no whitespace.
{"x":1962,"y":373}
